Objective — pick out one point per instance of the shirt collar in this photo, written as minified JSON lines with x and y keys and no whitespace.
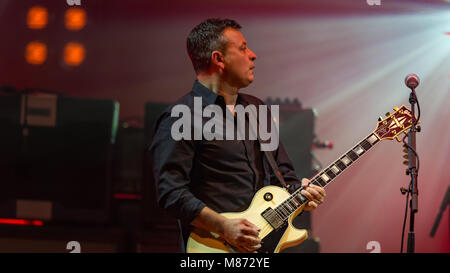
{"x":209,"y":97}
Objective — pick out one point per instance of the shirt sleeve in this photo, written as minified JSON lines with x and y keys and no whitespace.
{"x":172,"y":163}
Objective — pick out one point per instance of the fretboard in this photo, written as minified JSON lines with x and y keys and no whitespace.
{"x":323,"y":178}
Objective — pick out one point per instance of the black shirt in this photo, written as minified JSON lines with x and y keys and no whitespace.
{"x":221,"y":174}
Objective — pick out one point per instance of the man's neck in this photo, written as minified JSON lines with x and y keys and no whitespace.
{"x":218,"y":86}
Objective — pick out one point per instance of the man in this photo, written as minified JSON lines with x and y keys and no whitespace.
{"x":199,"y":179}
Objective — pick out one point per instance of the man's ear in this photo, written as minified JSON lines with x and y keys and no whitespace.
{"x":217,"y":59}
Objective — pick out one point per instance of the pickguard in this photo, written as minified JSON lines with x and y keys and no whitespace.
{"x":270,"y":242}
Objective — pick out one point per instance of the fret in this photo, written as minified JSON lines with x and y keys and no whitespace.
{"x":293,"y":204}
{"x":289,"y":208}
{"x":365,"y":144}
{"x":358,"y":150}
{"x":341,"y":165}
{"x":296,"y":199}
{"x":286,"y":209}
{"x":319,"y":181}
{"x":353,"y":156}
{"x":335,"y":169}
{"x":279,"y":213}
{"x":294,"y":207}
{"x":300,"y":197}
{"x":325,"y":178}
{"x":372,"y":139}
{"x":330,"y":173}
{"x":346,"y":160}
{"x":314,"y":181}
{"x":284,"y":212}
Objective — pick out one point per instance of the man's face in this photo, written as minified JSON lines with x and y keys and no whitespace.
{"x":238,"y":59}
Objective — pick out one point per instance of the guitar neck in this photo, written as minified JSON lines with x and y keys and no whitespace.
{"x":323,"y":178}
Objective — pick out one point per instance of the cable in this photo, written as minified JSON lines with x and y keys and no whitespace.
{"x":412,"y":150}
{"x":418,"y":107}
{"x":406,"y":216}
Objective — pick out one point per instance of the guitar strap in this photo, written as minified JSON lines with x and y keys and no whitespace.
{"x":269,"y":154}
{"x":275,"y":169}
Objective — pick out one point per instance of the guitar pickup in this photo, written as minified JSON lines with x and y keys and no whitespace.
{"x":272,"y":217}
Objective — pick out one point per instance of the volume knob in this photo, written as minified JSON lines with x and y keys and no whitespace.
{"x":268,"y":196}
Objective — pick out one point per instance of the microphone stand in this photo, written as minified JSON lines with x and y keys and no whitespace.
{"x":412,"y":171}
{"x":444,"y":204}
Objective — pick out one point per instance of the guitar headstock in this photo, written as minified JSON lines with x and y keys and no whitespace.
{"x":394,"y":124}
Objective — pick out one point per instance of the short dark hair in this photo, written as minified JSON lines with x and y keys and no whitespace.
{"x":205,"y":38}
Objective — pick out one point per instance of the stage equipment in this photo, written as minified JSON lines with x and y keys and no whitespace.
{"x":153,"y":214}
{"x":55,"y":162}
{"x":445,"y":203}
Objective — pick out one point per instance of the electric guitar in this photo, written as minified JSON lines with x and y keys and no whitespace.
{"x":273,"y":208}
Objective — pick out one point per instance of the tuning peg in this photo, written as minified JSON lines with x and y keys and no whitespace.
{"x":406,"y":162}
{"x":405,"y":156}
{"x":396,"y":108}
{"x":405,"y":151}
{"x":380,"y":118}
{"x":418,"y":129}
{"x":398,"y":139}
{"x":388,"y":114}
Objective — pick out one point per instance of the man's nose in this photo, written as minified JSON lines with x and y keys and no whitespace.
{"x":252,"y":55}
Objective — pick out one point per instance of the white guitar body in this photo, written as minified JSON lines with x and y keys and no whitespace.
{"x":201,"y":241}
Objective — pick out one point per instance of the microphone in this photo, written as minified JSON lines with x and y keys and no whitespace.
{"x":412,"y":81}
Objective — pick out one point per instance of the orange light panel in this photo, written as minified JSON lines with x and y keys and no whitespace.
{"x":37,"y":17}
{"x":74,"y":54}
{"x":36,"y":53}
{"x":75,"y":19}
